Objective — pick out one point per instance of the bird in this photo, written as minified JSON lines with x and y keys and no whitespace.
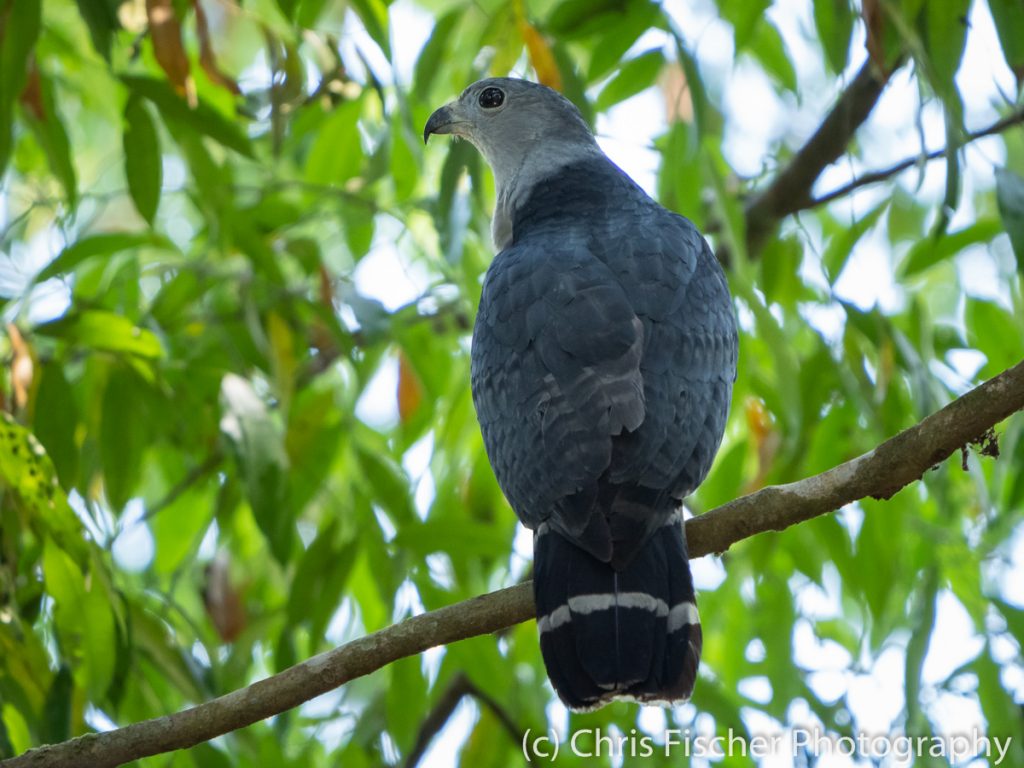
{"x":602,"y":363}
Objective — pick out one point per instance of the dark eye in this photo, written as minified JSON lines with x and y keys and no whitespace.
{"x":491,"y":98}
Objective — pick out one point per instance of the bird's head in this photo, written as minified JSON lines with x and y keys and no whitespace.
{"x":506,"y":119}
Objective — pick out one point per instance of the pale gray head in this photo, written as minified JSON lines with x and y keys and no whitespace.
{"x":525,"y":131}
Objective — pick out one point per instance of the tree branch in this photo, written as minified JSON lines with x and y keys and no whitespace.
{"x":881,"y":175}
{"x":460,"y":687}
{"x":880,"y":473}
{"x":438,"y":717}
{"x":790,"y":190}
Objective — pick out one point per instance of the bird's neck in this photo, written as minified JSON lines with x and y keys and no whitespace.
{"x":515,"y":180}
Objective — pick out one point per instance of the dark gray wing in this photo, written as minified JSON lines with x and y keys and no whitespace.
{"x":677,"y":288}
{"x":555,"y":372}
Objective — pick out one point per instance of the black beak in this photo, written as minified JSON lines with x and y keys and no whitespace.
{"x":439,"y":122}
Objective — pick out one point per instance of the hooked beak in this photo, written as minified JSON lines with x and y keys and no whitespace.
{"x":447,"y":119}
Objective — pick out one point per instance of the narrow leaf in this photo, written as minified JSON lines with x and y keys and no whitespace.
{"x":202,"y":118}
{"x":142,"y":160}
{"x":541,"y":57}
{"x":122,"y":436}
{"x":101,"y":330}
{"x":165,"y":32}
{"x":105,"y":244}
{"x":100,"y":16}
{"x":44,"y":122}
{"x":635,"y":75}
{"x":374,"y":15}
{"x":257,"y":440}
{"x":930,"y":250}
{"x":834,"y":21}
{"x":20,"y":31}
{"x":1009,"y":18}
{"x":1010,"y":196}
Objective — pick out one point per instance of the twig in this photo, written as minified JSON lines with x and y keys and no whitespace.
{"x":879,"y":473}
{"x":881,"y":175}
{"x":438,"y":717}
{"x":460,"y":687}
{"x":192,"y":476}
{"x":513,"y":730}
{"x":790,"y":191}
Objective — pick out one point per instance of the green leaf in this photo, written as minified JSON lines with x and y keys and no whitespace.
{"x":475,"y":539}
{"x":43,"y":120}
{"x":56,"y":421}
{"x":359,"y":226}
{"x":320,"y":578}
{"x":404,"y":168}
{"x":576,"y":18}
{"x":315,"y":430}
{"x":56,"y":723}
{"x":767,"y":45}
{"x":374,"y":15}
{"x":680,"y":165}
{"x":1010,"y":196}
{"x":179,"y":526}
{"x":1002,"y":713}
{"x":406,"y":699}
{"x":744,"y":15}
{"x":203,"y":119}
{"x":434,"y":52}
{"x":101,"y":330}
{"x":945,"y":38}
{"x":635,"y":75}
{"x":106,"y":244}
{"x":101,"y":18}
{"x":123,"y":435}
{"x":288,"y":8}
{"x":27,"y":473}
{"x":996,"y":333}
{"x":841,"y":245}
{"x":20,"y":31}
{"x":388,"y":483}
{"x":931,"y":250}
{"x":143,"y":165}
{"x":1008,"y":16}
{"x":1014,"y":617}
{"x":337,"y":154}
{"x":639,"y":16}
{"x":702,"y":109}
{"x":257,"y":440}
{"x":834,"y":21}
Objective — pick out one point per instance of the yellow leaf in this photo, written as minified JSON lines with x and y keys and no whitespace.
{"x":541,"y":57}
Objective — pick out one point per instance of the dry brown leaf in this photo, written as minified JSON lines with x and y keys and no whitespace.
{"x":165,"y":32}
{"x":22,"y":367}
{"x":678,"y":97}
{"x":207,"y":59}
{"x":875,"y":23}
{"x":410,"y":390}
{"x":223,"y":601}
{"x":32,"y":95}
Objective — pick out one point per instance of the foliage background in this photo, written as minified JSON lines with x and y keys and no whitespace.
{"x":219,"y":456}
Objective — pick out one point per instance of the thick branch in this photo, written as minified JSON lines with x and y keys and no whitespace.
{"x":879,"y":473}
{"x":790,"y":190}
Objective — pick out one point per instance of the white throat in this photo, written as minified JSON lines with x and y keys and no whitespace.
{"x":515,"y":181}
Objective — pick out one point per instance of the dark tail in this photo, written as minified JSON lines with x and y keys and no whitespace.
{"x":632,"y":634}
